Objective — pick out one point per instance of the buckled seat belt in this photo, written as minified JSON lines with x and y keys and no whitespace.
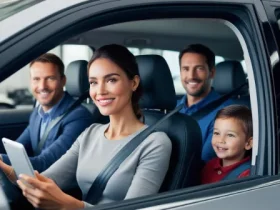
{"x":58,"y":119}
{"x":96,"y":190}
{"x":235,"y":173}
{"x":214,"y":104}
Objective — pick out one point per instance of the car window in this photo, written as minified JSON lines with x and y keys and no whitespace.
{"x":71,"y":53}
{"x":10,"y":7}
{"x":15,"y":91}
{"x":171,"y":58}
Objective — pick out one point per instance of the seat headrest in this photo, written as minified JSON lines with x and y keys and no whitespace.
{"x":158,"y":88}
{"x":77,"y":78}
{"x":229,"y":75}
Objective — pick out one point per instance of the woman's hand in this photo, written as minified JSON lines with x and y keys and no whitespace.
{"x":8,"y":171}
{"x":45,"y":194}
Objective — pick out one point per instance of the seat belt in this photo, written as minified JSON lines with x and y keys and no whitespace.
{"x":237,"y":171}
{"x":96,"y":190}
{"x":214,"y":104}
{"x":58,"y":119}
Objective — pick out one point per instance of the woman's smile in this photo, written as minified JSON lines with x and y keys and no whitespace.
{"x":105,"y":102}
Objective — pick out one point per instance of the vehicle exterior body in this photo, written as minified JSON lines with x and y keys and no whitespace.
{"x":42,"y":26}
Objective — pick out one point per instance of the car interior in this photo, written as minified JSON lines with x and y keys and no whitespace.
{"x":165,"y":36}
{"x":172,"y":35}
{"x":156,"y":45}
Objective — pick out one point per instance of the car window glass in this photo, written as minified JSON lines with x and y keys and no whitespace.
{"x":75,"y":52}
{"x":15,"y":90}
{"x":10,"y":7}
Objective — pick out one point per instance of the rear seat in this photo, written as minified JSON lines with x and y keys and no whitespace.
{"x":229,"y":76}
{"x":184,"y":132}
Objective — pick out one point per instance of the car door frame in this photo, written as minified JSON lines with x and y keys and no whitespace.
{"x":271,"y":8}
{"x":49,"y":32}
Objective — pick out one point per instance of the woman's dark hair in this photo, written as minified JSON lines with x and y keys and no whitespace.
{"x":123,"y":58}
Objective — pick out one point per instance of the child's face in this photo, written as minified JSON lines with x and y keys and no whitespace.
{"x":229,"y":140}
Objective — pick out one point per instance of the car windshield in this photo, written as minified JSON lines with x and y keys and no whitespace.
{"x":11,"y":7}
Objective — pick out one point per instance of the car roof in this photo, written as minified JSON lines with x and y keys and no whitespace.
{"x":168,"y":34}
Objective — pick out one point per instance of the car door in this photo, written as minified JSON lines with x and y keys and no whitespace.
{"x":15,"y":117}
{"x":246,"y":18}
{"x":13,"y":122}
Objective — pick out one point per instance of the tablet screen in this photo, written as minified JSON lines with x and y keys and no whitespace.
{"x":18,"y":157}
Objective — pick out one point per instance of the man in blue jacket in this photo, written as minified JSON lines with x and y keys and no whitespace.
{"x":47,"y":82}
{"x":197,"y":69}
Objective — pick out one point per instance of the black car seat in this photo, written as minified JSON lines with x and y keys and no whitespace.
{"x":229,"y":76}
{"x":158,"y":98}
{"x":77,"y":84}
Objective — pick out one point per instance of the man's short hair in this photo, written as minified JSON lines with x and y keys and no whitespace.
{"x":50,"y":58}
{"x":202,"y":50}
{"x":241,"y":113}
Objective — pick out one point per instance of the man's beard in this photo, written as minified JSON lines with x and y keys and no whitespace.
{"x":201,"y":91}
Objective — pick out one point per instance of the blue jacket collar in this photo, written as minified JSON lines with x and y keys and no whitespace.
{"x":50,"y":113}
{"x":65,"y":102}
{"x":213,"y":95}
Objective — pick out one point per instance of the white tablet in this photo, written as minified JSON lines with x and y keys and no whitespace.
{"x":18,"y":157}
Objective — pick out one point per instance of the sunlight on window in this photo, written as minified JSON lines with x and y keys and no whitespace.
{"x":75,"y":52}
{"x":171,"y":58}
{"x":219,"y":59}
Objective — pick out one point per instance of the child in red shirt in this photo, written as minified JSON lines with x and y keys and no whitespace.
{"x":232,"y":142}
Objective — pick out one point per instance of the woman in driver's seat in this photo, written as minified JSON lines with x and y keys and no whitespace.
{"x":115,"y":89}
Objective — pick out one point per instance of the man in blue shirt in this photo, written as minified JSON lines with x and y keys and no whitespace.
{"x":47,"y":81}
{"x":197,"y":69}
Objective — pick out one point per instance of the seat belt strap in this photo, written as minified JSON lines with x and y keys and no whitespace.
{"x":96,"y":190}
{"x":214,"y":104}
{"x":57,"y":120}
{"x":235,"y":173}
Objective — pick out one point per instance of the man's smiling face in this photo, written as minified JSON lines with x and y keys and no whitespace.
{"x":46,"y":84}
{"x":196,"y":75}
